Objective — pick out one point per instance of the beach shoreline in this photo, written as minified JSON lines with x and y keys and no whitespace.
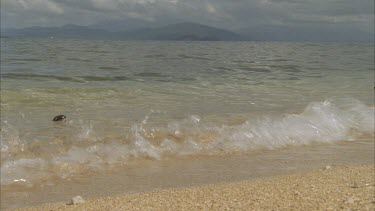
{"x":154,"y":175}
{"x":330,"y":188}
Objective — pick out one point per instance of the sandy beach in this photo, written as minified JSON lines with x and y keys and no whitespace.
{"x":331,"y":188}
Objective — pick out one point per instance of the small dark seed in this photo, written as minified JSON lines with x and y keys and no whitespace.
{"x":59,"y":118}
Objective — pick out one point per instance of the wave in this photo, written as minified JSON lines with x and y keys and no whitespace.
{"x":330,"y":121}
{"x":79,"y":79}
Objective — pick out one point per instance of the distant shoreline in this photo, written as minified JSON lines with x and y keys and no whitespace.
{"x":190,"y":31}
{"x":193,"y":41}
{"x":322,"y":189}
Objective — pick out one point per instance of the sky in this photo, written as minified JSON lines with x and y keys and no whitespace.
{"x":230,"y":14}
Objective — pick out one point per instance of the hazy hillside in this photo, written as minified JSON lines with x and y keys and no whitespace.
{"x":309,"y":34}
{"x":67,"y":31}
{"x":122,"y":25}
{"x":182,"y":31}
{"x":185,"y":31}
{"x":194,"y":32}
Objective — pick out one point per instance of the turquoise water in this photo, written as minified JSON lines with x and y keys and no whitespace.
{"x":150,"y":100}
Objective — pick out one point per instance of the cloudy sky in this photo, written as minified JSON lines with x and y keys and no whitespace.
{"x":232,"y":14}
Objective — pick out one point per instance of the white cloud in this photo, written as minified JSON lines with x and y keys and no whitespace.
{"x":211,"y":9}
{"x":139,"y":16}
{"x":105,"y":4}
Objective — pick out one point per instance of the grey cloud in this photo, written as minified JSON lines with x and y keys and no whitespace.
{"x":232,"y":14}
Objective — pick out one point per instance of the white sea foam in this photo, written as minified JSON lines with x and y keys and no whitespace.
{"x":320,"y":122}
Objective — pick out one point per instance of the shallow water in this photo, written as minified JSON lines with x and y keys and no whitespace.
{"x":130,"y":101}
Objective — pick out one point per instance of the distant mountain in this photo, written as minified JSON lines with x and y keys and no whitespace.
{"x":130,"y":30}
{"x":67,"y":31}
{"x":128,"y":24}
{"x":309,"y":34}
{"x":185,"y":31}
{"x":181,"y":31}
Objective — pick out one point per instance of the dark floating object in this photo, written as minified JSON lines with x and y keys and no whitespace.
{"x":59,"y":118}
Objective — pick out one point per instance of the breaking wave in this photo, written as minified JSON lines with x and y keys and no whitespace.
{"x":26,"y":162}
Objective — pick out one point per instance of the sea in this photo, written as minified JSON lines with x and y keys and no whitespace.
{"x":143,"y":115}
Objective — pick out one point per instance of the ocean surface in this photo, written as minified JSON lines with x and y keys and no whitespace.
{"x":129,"y":102}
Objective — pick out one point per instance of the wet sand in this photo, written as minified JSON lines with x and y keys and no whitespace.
{"x":157,"y":175}
{"x":323,"y":189}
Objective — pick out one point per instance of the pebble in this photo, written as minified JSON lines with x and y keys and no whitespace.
{"x":327,"y":167}
{"x":60,"y":117}
{"x":77,"y":200}
{"x":351,"y":200}
{"x":355,"y":185}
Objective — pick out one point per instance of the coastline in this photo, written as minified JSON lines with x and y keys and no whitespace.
{"x":154,"y":116}
{"x":335,"y":188}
